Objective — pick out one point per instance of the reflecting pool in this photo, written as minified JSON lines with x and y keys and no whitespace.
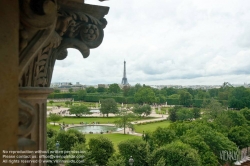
{"x":96,"y":128}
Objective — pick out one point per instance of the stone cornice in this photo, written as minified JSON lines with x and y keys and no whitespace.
{"x":48,"y":28}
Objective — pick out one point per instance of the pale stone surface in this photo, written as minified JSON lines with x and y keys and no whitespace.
{"x":9,"y":41}
{"x":33,"y":35}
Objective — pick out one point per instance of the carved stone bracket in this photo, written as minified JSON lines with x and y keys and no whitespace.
{"x":47,"y":29}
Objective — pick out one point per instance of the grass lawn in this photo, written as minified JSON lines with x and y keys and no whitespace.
{"x":56,"y":127}
{"x":115,"y":138}
{"x":102,"y":120}
{"x":151,"y":126}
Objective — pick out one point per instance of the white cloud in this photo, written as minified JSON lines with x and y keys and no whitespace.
{"x":167,"y":42}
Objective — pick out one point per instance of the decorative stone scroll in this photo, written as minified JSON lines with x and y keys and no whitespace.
{"x":47,"y":29}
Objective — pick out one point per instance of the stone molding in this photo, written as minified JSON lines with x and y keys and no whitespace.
{"x":47,"y":28}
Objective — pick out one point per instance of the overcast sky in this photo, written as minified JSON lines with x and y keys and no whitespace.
{"x":167,"y":42}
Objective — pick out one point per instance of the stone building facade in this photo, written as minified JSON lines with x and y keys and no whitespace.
{"x":33,"y":35}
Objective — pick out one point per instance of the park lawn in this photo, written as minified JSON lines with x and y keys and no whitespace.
{"x":54,"y":127}
{"x":151,"y":126}
{"x":77,"y":120}
{"x":116,"y":138}
{"x":101,"y":120}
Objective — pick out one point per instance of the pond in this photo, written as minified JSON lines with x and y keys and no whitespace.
{"x":96,"y":128}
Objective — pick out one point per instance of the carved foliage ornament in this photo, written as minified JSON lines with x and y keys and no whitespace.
{"x":48,"y":28}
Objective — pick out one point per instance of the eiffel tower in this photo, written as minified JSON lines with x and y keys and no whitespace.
{"x":124,"y":79}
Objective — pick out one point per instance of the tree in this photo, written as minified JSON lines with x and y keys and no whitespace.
{"x":162,"y":99}
{"x":68,"y":138}
{"x":79,"y":110}
{"x":162,"y":136}
{"x":91,"y":89}
{"x":196,"y":113}
{"x":114,"y":88}
{"x":136,"y":148}
{"x":57,"y":90}
{"x":68,"y":103}
{"x":54,"y":118}
{"x":82,"y":158}
{"x":172,"y":113}
{"x":240,"y":135}
{"x":145,"y":95}
{"x":184,"y":114}
{"x":51,"y":146}
{"x":214,"y":108}
{"x":51,"y":102}
{"x":108,"y":106}
{"x":207,"y":156}
{"x":217,"y":142}
{"x":116,"y":160}
{"x":81,"y":94}
{"x":185,"y":98}
{"x":101,"y":89}
{"x":101,"y":149}
{"x":246,"y":113}
{"x":239,"y":98}
{"x":124,"y":120}
{"x":126,"y":90}
{"x":70,"y":90}
{"x":176,"y":153}
{"x":142,"y":109}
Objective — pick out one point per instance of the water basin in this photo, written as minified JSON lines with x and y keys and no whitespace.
{"x":96,"y":128}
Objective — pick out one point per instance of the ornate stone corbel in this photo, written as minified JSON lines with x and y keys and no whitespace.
{"x":47,"y":29}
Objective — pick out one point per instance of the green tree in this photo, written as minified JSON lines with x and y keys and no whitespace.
{"x":82,"y":158}
{"x":124,"y":120}
{"x":142,"y":109}
{"x":108,"y":106}
{"x":162,"y":136}
{"x":216,"y":141}
{"x":70,"y":90}
{"x":101,"y":149}
{"x":246,"y":113}
{"x":184,"y":114}
{"x":145,"y":95}
{"x":81,"y":94}
{"x":174,"y":96}
{"x":116,"y":160}
{"x":79,"y":110}
{"x":176,"y":154}
{"x":239,"y":98}
{"x":171,"y":91}
{"x":126,"y":90}
{"x":172,"y":113}
{"x":185,"y":98}
{"x":162,"y":99}
{"x":196,"y":113}
{"x":68,"y":103}
{"x":51,"y":102}
{"x":51,"y":146}
{"x":197,"y":142}
{"x":136,"y":148}
{"x":214,"y":108}
{"x":240,"y":135}
{"x":114,"y":88}
{"x":57,"y":91}
{"x":68,"y":138}
{"x":54,"y":118}
{"x":101,"y":89}
{"x":91,"y":89}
